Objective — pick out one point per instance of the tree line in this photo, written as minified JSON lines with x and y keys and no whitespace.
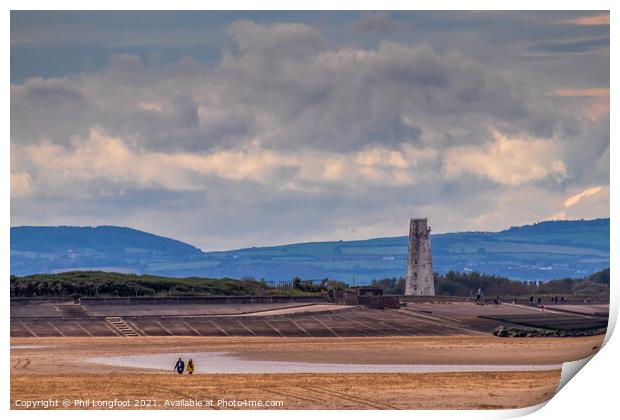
{"x":99,"y":283}
{"x":467,"y":284}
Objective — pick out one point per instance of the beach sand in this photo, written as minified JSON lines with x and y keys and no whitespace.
{"x":63,"y":368}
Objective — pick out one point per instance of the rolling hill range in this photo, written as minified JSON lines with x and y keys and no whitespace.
{"x":541,"y":251}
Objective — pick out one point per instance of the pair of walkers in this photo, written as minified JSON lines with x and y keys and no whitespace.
{"x":180,"y":366}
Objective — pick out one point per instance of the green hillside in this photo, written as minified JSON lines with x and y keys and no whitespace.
{"x":542,"y":251}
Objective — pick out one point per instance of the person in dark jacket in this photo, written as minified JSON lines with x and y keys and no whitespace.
{"x":180,"y":366}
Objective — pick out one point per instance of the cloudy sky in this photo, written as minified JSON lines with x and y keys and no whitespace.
{"x":229,"y":130}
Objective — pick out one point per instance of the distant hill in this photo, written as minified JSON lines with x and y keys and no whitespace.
{"x":542,"y":251}
{"x":43,"y":249}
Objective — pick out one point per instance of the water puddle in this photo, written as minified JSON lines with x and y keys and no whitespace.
{"x":219,"y":362}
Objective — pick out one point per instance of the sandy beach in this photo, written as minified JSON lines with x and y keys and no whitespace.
{"x":72,"y":368}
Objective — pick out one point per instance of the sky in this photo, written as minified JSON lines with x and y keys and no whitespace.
{"x":233,"y":129}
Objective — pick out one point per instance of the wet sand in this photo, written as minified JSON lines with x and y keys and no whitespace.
{"x":220,"y":362}
{"x":72,"y":354}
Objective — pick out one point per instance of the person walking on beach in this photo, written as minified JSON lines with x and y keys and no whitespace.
{"x":190,"y":366}
{"x":180,"y":366}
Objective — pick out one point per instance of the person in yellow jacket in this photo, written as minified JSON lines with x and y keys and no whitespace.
{"x":190,"y":366}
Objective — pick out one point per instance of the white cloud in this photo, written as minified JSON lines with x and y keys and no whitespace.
{"x":592,"y":200}
{"x":602,"y":19}
{"x":508,"y":161}
{"x":21,"y":184}
{"x":572,"y":200}
{"x":100,"y":156}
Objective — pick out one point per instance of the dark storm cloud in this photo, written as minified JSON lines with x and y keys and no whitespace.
{"x":52,"y":109}
{"x":361,"y":97}
{"x":376,"y":22}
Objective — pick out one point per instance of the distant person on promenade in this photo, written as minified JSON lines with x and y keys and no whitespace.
{"x":180,"y":366}
{"x":190,"y":366}
{"x":478,"y":296}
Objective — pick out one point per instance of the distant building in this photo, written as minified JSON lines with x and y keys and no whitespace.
{"x":370,"y":296}
{"x":420,"y":281}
